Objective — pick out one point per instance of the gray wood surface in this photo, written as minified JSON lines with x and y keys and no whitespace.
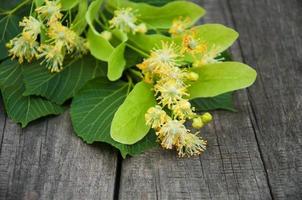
{"x":271,"y":41}
{"x":47,"y":161}
{"x":252,"y":154}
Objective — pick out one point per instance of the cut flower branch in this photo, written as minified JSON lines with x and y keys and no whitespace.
{"x":136,"y":76}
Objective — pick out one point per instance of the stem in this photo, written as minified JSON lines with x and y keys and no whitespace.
{"x":130,"y":83}
{"x":137,"y":50}
{"x":101,"y":24}
{"x":104,"y":19}
{"x":136,"y":74}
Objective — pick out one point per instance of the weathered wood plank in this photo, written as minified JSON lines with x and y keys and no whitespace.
{"x":271,"y":41}
{"x":231,"y":168}
{"x":47,"y":161}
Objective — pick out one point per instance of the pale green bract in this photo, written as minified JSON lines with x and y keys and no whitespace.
{"x":219,"y":78}
{"x":161,"y":17}
{"x":116,"y":63}
{"x":129,"y":125}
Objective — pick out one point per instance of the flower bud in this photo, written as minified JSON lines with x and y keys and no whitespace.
{"x":197,"y":123}
{"x":106,"y":35}
{"x":192,"y":76}
{"x":206,"y":118}
{"x":141,"y":28}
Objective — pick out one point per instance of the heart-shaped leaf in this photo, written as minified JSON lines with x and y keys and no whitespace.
{"x":58,"y":87}
{"x":19,"y":108}
{"x":92,"y":111}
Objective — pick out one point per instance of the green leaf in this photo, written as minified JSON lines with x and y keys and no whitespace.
{"x":68,"y":4}
{"x":223,"y":101}
{"x":92,"y":111}
{"x":98,"y":46}
{"x":9,"y":29}
{"x":148,"y":42}
{"x":154,"y":2}
{"x":161,"y":17}
{"x":58,"y":87}
{"x":219,"y":78}
{"x":79,"y":23}
{"x":216,"y":36}
{"x":116,"y":63}
{"x":19,"y":108}
{"x":129,"y":125}
{"x":92,"y":12}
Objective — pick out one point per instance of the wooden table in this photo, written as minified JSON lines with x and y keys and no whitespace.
{"x":255,"y":153}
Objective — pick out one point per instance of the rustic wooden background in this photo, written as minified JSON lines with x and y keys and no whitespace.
{"x":255,"y":153}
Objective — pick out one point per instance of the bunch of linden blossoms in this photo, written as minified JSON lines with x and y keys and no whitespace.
{"x":58,"y":41}
{"x":125,"y":19}
{"x":164,"y":69}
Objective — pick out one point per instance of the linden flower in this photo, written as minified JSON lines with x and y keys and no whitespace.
{"x":208,"y":58}
{"x":179,"y":26}
{"x":170,"y":133}
{"x":190,"y":145}
{"x":125,"y":20}
{"x":190,"y":44}
{"x":182,"y":109}
{"x":23,"y":47}
{"x":170,"y":91}
{"x":165,"y":56}
{"x":53,"y":56}
{"x":156,"y":117}
{"x":32,"y":26}
{"x":60,"y":33}
{"x":50,"y":11}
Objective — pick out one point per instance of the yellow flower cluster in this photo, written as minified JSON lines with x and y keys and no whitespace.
{"x":200,"y":51}
{"x":60,"y":41}
{"x":163,"y":69}
{"x":126,"y":20}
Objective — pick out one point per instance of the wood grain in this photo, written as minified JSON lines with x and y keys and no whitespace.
{"x":47,"y":161}
{"x":271,"y":41}
{"x":231,"y":168}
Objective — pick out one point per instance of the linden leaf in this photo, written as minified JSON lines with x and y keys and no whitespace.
{"x":148,"y":42}
{"x":9,"y":29}
{"x":98,"y":46}
{"x":79,"y":23}
{"x":19,"y":108}
{"x":92,"y":111}
{"x":58,"y":87}
{"x":129,"y":125}
{"x":116,"y":63}
{"x":219,"y":78}
{"x":68,"y":4}
{"x":223,"y":101}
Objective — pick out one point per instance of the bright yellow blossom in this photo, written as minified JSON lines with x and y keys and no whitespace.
{"x":165,"y":56}
{"x":23,"y":47}
{"x":183,"y":110}
{"x":50,"y":11}
{"x":170,"y":91}
{"x":156,"y":117}
{"x":32,"y":26}
{"x":179,"y":26}
{"x":170,"y":132}
{"x":125,"y":19}
{"x":191,"y":44}
{"x":190,"y":145}
{"x":53,"y":56}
